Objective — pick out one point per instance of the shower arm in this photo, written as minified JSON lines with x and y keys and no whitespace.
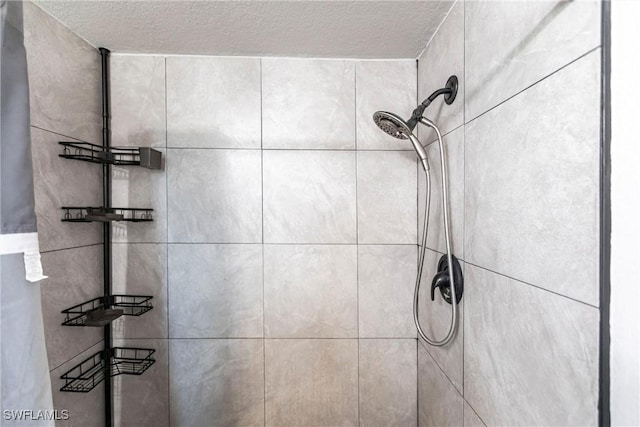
{"x":449,"y":91}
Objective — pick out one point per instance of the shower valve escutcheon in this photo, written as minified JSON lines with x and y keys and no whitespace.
{"x":441,"y":280}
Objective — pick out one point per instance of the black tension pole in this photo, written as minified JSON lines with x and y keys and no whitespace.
{"x":106,"y":232}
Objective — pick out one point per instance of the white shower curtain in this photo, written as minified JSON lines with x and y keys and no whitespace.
{"x":25,"y":386}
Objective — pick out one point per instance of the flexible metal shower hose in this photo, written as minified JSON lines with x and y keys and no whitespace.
{"x":423,"y":247}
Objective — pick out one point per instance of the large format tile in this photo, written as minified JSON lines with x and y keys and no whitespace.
{"x":435,"y":320}
{"x":215,"y":291}
{"x":387,"y":197}
{"x":141,"y":269}
{"x":527,"y":41}
{"x":310,"y":291}
{"x":216,"y":383}
{"x":308,"y":103}
{"x":386,"y":277}
{"x":138,"y":101}
{"x":442,"y":58}
{"x":136,"y":187}
{"x":309,"y":197}
{"x":84,"y":409}
{"x":215,"y":196}
{"x":531,"y":180}
{"x":388,"y":378}
{"x":439,"y":402}
{"x":143,"y":400}
{"x":64,"y":78}
{"x":75,"y":276}
{"x":213,"y":102}
{"x":383,"y":86}
{"x":531,"y":357}
{"x":454,"y":153}
{"x":62,"y":182}
{"x":311,"y":382}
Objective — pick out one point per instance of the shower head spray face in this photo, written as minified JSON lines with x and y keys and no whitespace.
{"x":392,"y":124}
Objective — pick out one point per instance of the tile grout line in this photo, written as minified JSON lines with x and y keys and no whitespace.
{"x":454,"y":387}
{"x":518,"y":280}
{"x":341,"y":150}
{"x":275,"y":244}
{"x":70,"y":248}
{"x":56,"y":133}
{"x":464,"y":172}
{"x":166,"y":184}
{"x":355,"y":126}
{"x":554,"y":72}
{"x":264,"y":342}
{"x":73,"y":357}
{"x":426,"y":349}
{"x":532,"y":285}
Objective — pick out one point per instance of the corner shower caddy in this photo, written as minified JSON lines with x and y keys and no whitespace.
{"x":101,"y":311}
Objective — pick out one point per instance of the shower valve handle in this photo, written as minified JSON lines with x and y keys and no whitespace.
{"x":440,"y":280}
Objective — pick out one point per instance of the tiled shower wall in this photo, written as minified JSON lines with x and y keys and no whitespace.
{"x":64,"y":80}
{"x":523,"y":146}
{"x":283,"y":252}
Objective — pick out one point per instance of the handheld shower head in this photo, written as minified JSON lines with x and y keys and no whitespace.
{"x":393,"y":125}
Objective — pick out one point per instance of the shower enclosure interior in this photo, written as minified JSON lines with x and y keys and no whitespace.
{"x":286,"y":231}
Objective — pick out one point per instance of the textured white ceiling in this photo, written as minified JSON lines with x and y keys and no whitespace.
{"x":332,"y":29}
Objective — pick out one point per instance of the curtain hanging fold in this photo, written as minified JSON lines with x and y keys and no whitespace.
{"x":25,"y":386}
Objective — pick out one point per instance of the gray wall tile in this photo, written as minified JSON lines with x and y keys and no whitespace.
{"x":541,"y":350}
{"x":532,"y":184}
{"x":442,"y":58}
{"x":311,"y":382}
{"x":64,"y":78}
{"x":386,"y":278}
{"x":62,"y":182}
{"x":216,"y":382}
{"x":309,"y":197}
{"x":386,"y":86}
{"x":141,"y":269}
{"x":310,"y":291}
{"x":213,"y":102}
{"x":454,"y":152}
{"x":215,"y":291}
{"x":135,"y":187}
{"x":75,"y":276}
{"x":308,"y":103}
{"x":138,"y":110}
{"x":439,"y":402}
{"x":387,"y":197}
{"x":535,"y":39}
{"x":143,"y":400}
{"x":214,"y":196}
{"x":435,"y":320}
{"x":388,"y":378}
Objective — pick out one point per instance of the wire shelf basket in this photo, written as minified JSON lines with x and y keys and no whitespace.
{"x":125,"y":156}
{"x":86,"y":375}
{"x":101,"y":214}
{"x":101,"y":311}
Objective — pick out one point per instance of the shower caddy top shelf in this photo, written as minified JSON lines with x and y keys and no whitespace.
{"x":124,"y":156}
{"x":102,"y":214}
